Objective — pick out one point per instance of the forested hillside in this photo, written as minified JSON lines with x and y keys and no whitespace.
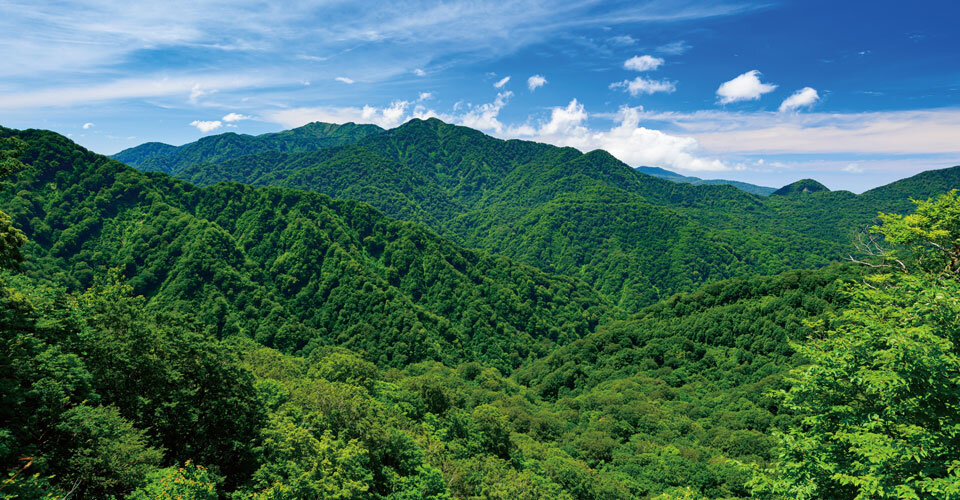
{"x":289,"y":268}
{"x":164,"y":340}
{"x":635,"y":238}
{"x":171,"y":159}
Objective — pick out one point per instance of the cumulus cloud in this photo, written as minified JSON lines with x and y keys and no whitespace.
{"x":386,"y":117}
{"x":640,"y":85}
{"x":206,"y":126}
{"x":234,"y":117}
{"x":535,"y":82}
{"x":643,"y":63}
{"x":424,"y":96}
{"x":88,"y":126}
{"x":419,"y":72}
{"x":627,"y":140}
{"x":804,"y":97}
{"x":485,"y":116}
{"x":344,"y":79}
{"x":746,"y":87}
{"x":500,"y":83}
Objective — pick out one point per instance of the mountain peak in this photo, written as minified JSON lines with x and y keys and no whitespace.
{"x":801,"y":186}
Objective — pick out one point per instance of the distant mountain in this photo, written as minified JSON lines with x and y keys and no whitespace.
{"x":801,"y":186}
{"x":155,"y":156}
{"x":675,"y":177}
{"x":634,"y":237}
{"x":147,"y":151}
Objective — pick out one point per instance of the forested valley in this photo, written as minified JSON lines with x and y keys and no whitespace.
{"x":429,"y":312}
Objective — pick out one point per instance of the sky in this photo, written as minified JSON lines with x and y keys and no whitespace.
{"x":855,"y":94}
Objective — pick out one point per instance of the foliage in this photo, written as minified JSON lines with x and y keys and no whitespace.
{"x":230,"y":341}
{"x":160,"y":157}
{"x":187,"y":482}
{"x":291,"y":269}
{"x":635,"y":238}
{"x":931,"y":234}
{"x":879,"y":400}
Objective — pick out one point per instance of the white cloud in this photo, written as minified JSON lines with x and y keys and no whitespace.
{"x":424,"y":96}
{"x":674,"y":48}
{"x":484,"y":116}
{"x":567,"y":120}
{"x":131,"y":88}
{"x":640,"y":85}
{"x":344,"y":80}
{"x":88,"y":126}
{"x":500,"y":83}
{"x":627,"y":140}
{"x":206,"y":126}
{"x":234,"y":117}
{"x":197,"y":91}
{"x":643,"y":63}
{"x":908,"y":132}
{"x":386,"y":117}
{"x":853,"y":168}
{"x":419,"y":72}
{"x":623,"y":40}
{"x":746,"y":87}
{"x":535,"y":82}
{"x":306,"y":57}
{"x":804,"y":97}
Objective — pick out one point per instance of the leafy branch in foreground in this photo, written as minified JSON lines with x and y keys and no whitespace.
{"x":880,"y":398}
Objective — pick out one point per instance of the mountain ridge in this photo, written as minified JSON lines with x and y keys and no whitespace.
{"x":507,"y":197}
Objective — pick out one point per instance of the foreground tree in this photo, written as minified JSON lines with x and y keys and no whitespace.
{"x":880,"y":400}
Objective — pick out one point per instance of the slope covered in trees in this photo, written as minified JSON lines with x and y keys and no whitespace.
{"x":633,"y":237}
{"x":162,"y":340}
{"x":291,"y":269}
{"x":171,"y":159}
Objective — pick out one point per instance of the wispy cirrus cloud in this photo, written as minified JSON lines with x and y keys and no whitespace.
{"x":85,"y":34}
{"x":930,"y":131}
{"x":191,"y":87}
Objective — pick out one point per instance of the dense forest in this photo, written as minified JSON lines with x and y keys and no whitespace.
{"x":635,"y":238}
{"x":428,"y":312}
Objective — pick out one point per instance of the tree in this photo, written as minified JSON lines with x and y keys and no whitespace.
{"x":190,"y":482}
{"x":299,"y":464}
{"x":879,"y":400}
{"x":930,"y":235}
{"x":11,"y":238}
{"x":104,"y":453}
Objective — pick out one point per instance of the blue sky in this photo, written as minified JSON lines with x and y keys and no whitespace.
{"x":853,"y":93}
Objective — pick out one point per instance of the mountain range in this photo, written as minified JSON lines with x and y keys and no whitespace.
{"x":421,"y":312}
{"x":634,"y":237}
